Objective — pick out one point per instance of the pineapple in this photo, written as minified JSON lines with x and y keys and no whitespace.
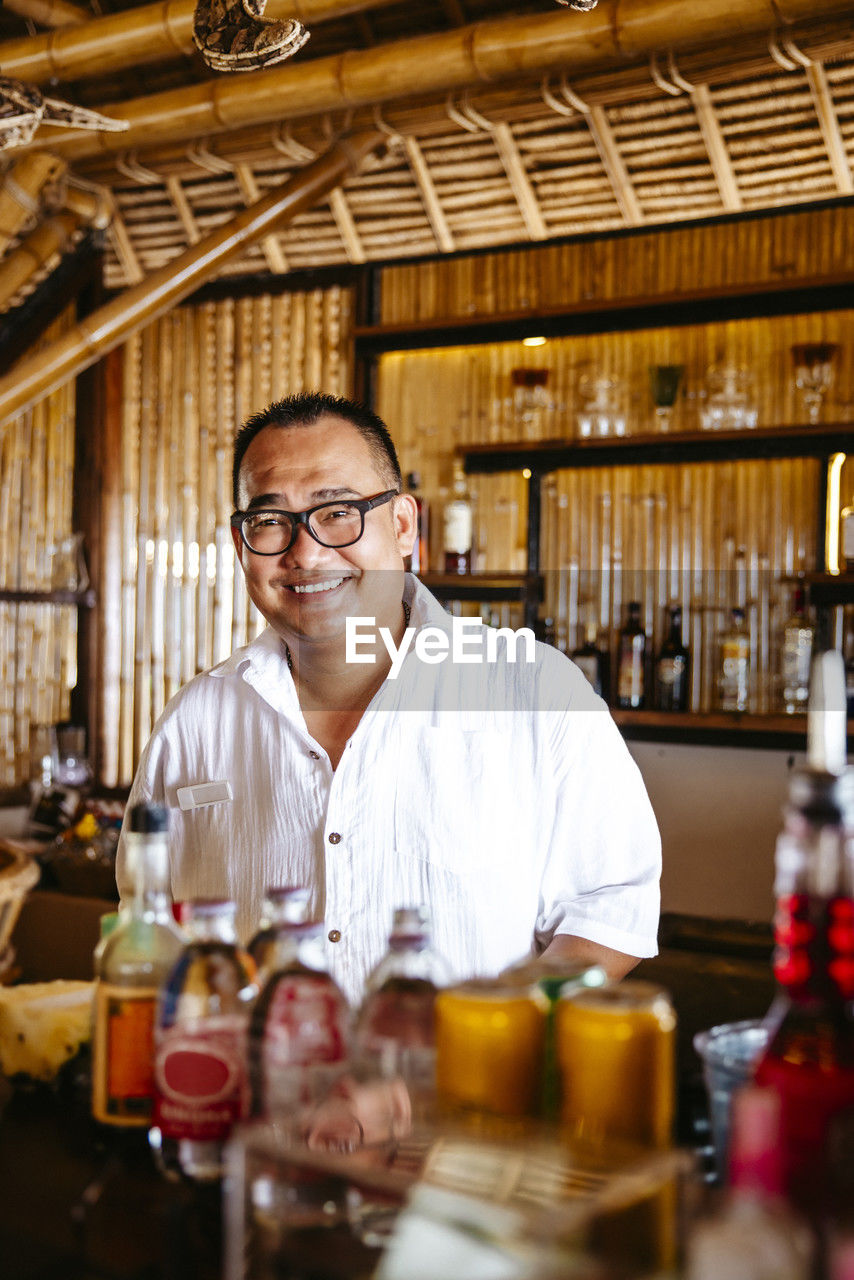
{"x":42,"y":1025}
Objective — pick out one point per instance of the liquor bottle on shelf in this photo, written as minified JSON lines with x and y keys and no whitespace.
{"x":458,"y":526}
{"x":300,"y":1026}
{"x":201,"y":1084}
{"x":809,"y":1059}
{"x":734,"y":667}
{"x":849,"y":668}
{"x":395,"y":1030}
{"x":130,"y":966}
{"x":417,"y":562}
{"x":796,"y":656}
{"x":631,"y":661}
{"x":671,"y":667}
{"x":592,"y":660}
{"x":283,"y":908}
{"x":754,"y":1234}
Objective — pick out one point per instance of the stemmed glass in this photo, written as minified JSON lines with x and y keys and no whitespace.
{"x":664,"y":382}
{"x":814,"y":373}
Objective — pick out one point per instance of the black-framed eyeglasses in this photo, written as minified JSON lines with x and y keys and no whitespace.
{"x":270,"y":532}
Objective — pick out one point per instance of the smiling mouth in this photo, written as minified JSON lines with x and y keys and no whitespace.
{"x":315,"y":588}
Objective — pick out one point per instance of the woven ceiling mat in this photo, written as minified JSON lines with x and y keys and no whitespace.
{"x":701,"y":136}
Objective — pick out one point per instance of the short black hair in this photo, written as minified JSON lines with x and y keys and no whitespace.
{"x":303,"y":410}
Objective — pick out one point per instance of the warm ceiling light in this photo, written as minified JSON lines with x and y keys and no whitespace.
{"x":533,"y":342}
{"x":584,"y":6}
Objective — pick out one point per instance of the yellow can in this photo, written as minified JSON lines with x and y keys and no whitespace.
{"x":616,"y":1057}
{"x":489,"y":1047}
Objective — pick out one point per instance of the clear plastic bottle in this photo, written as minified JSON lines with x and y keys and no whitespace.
{"x":201,"y":1080}
{"x":395,"y":1028}
{"x":284,"y":906}
{"x":755,"y":1235}
{"x":300,"y":1027}
{"x":130,"y":966}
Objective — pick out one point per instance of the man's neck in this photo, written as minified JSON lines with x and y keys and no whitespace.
{"x":326,"y":682}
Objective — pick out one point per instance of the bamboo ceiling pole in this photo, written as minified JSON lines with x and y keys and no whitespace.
{"x":38,"y":375}
{"x":50,"y":13}
{"x":20,"y":191}
{"x":487,"y":51}
{"x":49,"y":237}
{"x":134,"y":37}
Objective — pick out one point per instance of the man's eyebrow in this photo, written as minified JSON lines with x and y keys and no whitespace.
{"x":276,"y":500}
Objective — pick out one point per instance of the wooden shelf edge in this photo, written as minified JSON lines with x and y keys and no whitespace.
{"x":790,"y":441}
{"x":489,"y":587}
{"x":717,"y":728}
{"x":84,"y":599}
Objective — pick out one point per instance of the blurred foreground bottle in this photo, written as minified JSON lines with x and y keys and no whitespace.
{"x":298,"y":1036}
{"x":283,"y":908}
{"x":396,"y":1026}
{"x":809,"y":1060}
{"x":754,"y":1235}
{"x":130,"y":966}
{"x":200,"y":1059}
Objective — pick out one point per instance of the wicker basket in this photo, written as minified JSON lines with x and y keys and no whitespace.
{"x":18,"y":874}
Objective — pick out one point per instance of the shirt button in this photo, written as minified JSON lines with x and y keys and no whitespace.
{"x":334,"y":837}
{"x":334,"y":935}
{"x":315,"y":755}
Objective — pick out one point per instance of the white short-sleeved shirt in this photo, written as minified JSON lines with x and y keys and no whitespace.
{"x":501,"y":795}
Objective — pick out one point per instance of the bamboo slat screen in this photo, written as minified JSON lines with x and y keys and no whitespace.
{"x":790,"y":246}
{"x":190,"y":380}
{"x":706,"y":536}
{"x":38,"y":642}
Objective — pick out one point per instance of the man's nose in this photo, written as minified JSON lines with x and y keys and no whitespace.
{"x":304,"y":550}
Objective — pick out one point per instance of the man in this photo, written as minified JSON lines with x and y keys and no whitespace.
{"x":497,"y":792}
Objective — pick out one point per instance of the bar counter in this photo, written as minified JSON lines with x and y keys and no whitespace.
{"x":81,"y":1206}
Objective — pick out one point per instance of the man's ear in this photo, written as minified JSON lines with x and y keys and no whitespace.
{"x":405,"y":517}
{"x":238,"y":545}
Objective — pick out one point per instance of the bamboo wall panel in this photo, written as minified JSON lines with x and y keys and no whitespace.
{"x":38,"y":642}
{"x":190,"y":380}
{"x":708,"y":536}
{"x":645,"y":265}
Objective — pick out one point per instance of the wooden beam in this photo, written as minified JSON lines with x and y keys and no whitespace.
{"x":270,"y":246}
{"x":517,"y":176}
{"x":111,"y":325}
{"x":716,"y":148}
{"x":486,"y":52}
{"x":50,"y":13}
{"x":178,"y":196}
{"x":618,"y":174}
{"x":830,"y":131}
{"x":125,"y":251}
{"x":136,"y":37}
{"x":347,"y":228}
{"x":429,"y":196}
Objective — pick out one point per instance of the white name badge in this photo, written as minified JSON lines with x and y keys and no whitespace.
{"x":203,"y":793}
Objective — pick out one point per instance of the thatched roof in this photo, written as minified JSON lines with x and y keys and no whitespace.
{"x":501,"y":131}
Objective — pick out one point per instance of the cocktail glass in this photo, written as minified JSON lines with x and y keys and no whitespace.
{"x":814,"y":373}
{"x":664,"y":380}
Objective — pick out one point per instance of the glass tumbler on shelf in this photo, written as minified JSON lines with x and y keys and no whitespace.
{"x":664,"y":380}
{"x":814,"y":363}
{"x":530,"y":401}
{"x":603,"y":413}
{"x":729,"y":405}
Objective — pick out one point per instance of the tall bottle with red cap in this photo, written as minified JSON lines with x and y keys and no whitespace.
{"x":809,"y":1060}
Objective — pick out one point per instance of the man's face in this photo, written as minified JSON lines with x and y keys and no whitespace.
{"x":308,"y":592}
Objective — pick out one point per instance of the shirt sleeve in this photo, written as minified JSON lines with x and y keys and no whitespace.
{"x":602,"y":872}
